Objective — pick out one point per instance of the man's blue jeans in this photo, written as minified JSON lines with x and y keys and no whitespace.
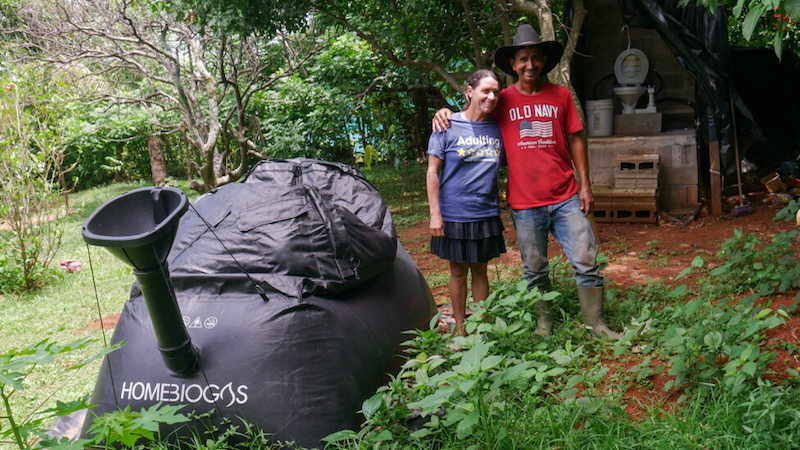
{"x":571,"y":229}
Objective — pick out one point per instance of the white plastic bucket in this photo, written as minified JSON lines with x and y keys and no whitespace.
{"x":599,"y":117}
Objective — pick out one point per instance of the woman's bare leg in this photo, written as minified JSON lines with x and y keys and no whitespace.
{"x":458,"y":294}
{"x":480,"y":281}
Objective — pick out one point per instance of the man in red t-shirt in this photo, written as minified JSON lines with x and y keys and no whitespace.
{"x":541,"y":135}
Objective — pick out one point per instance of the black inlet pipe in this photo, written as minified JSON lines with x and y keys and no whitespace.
{"x":174,"y":343}
{"x":138,"y":228}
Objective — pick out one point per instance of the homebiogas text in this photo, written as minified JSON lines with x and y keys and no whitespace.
{"x":183,"y":393}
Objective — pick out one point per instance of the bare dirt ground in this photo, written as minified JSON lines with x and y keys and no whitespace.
{"x":637,"y":253}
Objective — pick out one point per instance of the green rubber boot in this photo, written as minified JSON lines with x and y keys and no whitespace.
{"x":591,"y":300}
{"x":544,"y":315}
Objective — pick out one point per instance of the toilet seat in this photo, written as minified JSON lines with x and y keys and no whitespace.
{"x":631,"y":67}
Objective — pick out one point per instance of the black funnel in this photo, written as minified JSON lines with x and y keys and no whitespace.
{"x":138,"y":228}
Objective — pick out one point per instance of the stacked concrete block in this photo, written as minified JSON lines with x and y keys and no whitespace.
{"x":636,"y":172}
{"x":633,"y":195}
{"x":677,"y":179}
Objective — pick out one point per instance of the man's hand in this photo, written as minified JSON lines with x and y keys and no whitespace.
{"x":587,"y":200}
{"x":577,"y":151}
{"x":437,"y":226}
{"x":441,"y":120}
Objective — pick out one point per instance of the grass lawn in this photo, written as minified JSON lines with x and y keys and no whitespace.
{"x":68,"y":308}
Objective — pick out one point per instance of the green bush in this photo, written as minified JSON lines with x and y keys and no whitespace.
{"x":11,"y":277}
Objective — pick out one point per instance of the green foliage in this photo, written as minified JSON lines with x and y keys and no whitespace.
{"x":534,"y":394}
{"x":128,"y":427}
{"x":748,"y":264}
{"x":348,"y":64}
{"x":239,"y":16}
{"x":303,"y":118}
{"x":15,"y":367}
{"x":8,"y":14}
{"x":338,"y":106}
{"x":762,"y":32}
{"x":507,"y":316}
{"x":108,"y":143}
{"x":771,"y":415}
{"x":398,"y":185}
{"x":12,"y":277}
{"x":31,"y":155}
{"x":710,"y":342}
{"x":441,"y":394}
{"x":370,"y":155}
{"x":619,"y":245}
{"x":121,"y":427}
{"x":761,"y":23}
{"x":504,"y":383}
{"x":440,"y":30}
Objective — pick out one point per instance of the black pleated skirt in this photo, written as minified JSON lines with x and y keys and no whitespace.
{"x":473,"y":242}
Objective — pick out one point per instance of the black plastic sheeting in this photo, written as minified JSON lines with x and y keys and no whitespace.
{"x":340,"y":289}
{"x":700,"y":43}
{"x":770,"y":88}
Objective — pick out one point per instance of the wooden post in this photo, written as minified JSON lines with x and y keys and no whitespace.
{"x":715,"y":173}
{"x":716,"y":178}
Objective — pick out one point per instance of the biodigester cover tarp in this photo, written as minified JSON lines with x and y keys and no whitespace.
{"x":295,"y":292}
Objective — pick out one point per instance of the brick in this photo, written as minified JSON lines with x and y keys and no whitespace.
{"x":636,"y":183}
{"x":634,"y":203}
{"x":615,"y":192}
{"x":674,"y":147}
{"x":602,"y":178}
{"x":603,"y":215}
{"x":636,"y":215}
{"x":636,"y":165}
{"x":625,"y":215}
{"x":635,"y":175}
{"x":613,"y":202}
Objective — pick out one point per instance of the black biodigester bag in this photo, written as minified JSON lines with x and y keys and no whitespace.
{"x":294,"y":292}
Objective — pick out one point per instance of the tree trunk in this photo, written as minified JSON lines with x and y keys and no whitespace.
{"x":363,"y":132}
{"x":189,"y":159}
{"x":421,"y":123}
{"x":119,"y":175}
{"x":157,"y":166}
{"x":64,"y":189}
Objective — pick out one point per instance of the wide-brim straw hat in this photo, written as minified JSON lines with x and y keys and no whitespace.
{"x":526,"y":36}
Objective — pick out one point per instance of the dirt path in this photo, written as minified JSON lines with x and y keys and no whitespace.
{"x":636,"y":250}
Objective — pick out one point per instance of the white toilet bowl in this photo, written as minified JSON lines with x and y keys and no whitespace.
{"x":630,"y":69}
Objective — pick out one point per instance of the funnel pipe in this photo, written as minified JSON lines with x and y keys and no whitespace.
{"x":138,"y":228}
{"x":174,"y":342}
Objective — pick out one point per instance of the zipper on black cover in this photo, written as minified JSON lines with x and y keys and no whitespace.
{"x":298,"y":172}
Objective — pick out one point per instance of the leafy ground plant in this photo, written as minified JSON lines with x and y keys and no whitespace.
{"x":507,"y":389}
{"x":15,"y":366}
{"x":129,"y":427}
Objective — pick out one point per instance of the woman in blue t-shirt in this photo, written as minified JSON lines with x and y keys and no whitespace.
{"x":462,"y":192}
